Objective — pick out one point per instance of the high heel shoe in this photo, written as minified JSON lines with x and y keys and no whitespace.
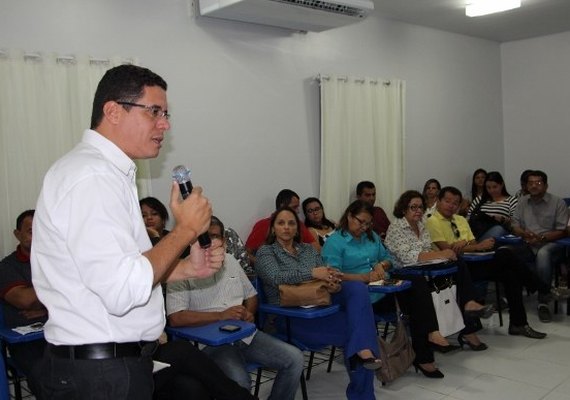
{"x":484,"y":312}
{"x":368,"y":363}
{"x":428,"y":374}
{"x":443,"y":349}
{"x":475,"y":347}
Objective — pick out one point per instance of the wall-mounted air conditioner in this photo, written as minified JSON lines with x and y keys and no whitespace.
{"x":303,"y":15}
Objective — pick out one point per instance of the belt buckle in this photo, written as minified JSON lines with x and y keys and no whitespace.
{"x":148,"y":348}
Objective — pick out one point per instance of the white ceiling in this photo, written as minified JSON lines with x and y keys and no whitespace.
{"x":534,"y":18}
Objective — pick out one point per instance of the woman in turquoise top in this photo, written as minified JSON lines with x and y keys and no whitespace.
{"x":358,"y":252}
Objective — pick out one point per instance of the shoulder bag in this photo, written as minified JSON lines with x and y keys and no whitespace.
{"x":397,"y":355}
{"x":308,"y":293}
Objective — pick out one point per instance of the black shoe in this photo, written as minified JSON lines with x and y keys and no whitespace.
{"x":484,"y":312}
{"x":443,"y":349}
{"x":544,"y":313}
{"x":475,"y":347}
{"x":429,"y":374}
{"x":525,"y":331}
{"x":368,"y":363}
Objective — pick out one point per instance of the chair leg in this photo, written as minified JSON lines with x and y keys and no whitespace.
{"x":257,"y":382}
{"x":386,"y":327}
{"x":304,"y":386}
{"x":331,"y":358}
{"x":310,"y":366}
{"x":499,"y":307}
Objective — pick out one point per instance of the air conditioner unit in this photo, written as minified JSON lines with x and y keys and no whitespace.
{"x":302,"y":15}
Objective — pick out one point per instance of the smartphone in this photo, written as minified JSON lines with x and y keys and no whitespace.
{"x":230,"y":328}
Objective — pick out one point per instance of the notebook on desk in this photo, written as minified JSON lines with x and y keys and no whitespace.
{"x":430,"y":264}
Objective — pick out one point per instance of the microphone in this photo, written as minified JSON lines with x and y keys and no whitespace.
{"x":181,"y":175}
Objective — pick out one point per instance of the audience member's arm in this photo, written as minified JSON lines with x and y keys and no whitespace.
{"x":199,"y":318}
{"x":23,"y":298}
{"x":250,"y":305}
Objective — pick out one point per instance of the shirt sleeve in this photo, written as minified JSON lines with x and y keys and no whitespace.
{"x":177,"y":297}
{"x":332,"y":251}
{"x":101,"y":241}
{"x":561,"y":215}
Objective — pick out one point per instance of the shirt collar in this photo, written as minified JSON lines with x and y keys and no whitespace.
{"x":112,"y":152}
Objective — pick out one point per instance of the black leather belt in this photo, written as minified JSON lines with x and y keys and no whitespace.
{"x":101,"y":351}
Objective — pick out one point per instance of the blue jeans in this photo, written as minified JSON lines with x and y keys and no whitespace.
{"x":543,"y":260}
{"x":494,"y":232}
{"x":267,"y":351}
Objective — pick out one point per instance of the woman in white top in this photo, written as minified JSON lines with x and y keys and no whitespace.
{"x":490,"y":214}
{"x":430,"y":192}
{"x":316,"y":221}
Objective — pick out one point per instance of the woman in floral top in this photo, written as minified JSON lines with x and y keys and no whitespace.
{"x":409,"y":242}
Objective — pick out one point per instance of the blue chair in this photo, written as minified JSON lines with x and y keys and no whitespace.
{"x":8,"y":336}
{"x":4,"y":391}
{"x":265,"y":309}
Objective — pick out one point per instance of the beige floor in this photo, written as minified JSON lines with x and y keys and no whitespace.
{"x":512,"y":368}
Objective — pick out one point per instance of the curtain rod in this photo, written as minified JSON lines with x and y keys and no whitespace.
{"x":65,"y":59}
{"x":344,"y":78}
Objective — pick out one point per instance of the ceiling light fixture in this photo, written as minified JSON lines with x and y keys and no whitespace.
{"x":475,"y":8}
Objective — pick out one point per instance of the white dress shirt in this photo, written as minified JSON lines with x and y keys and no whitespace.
{"x":87,"y":262}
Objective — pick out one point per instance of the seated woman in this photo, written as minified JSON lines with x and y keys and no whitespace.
{"x":155,"y":216}
{"x":430,"y":192}
{"x":477,"y":186}
{"x":408,"y":240}
{"x":358,"y":252}
{"x":490,"y":214}
{"x":284,"y":260}
{"x":319,"y":226}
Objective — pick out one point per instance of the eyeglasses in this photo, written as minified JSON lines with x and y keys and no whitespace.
{"x":155,"y":111}
{"x":455,"y":229}
{"x":313,"y":210}
{"x":416,"y":207}
{"x":362,"y":223}
{"x":539,"y":183}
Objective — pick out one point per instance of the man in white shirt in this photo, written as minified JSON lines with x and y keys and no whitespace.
{"x":93,"y":265}
{"x":229,"y":294}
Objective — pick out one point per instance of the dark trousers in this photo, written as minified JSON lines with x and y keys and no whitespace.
{"x":417,"y":303}
{"x":27,"y":356}
{"x":507,"y":269}
{"x":192,"y":373}
{"x":128,"y":378}
{"x":466,"y":292}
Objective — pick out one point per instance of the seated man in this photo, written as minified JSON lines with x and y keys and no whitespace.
{"x":228,"y":294}
{"x":451,"y":231}
{"x":541,"y":219}
{"x":366,"y":191}
{"x":20,"y":303}
{"x":258,"y":234}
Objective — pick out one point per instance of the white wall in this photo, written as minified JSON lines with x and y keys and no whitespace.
{"x":536,"y":107}
{"x":245,"y":107}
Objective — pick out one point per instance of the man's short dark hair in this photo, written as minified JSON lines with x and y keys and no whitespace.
{"x":524,"y":176}
{"x":122,"y":83}
{"x":453,"y":190}
{"x":284,"y":197}
{"x":364,"y":185}
{"x":540,"y":174}
{"x":22,"y":217}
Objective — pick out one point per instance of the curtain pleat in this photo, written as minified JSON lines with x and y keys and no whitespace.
{"x":362,"y":138}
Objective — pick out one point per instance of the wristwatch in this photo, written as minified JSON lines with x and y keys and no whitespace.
{"x":542,"y":238}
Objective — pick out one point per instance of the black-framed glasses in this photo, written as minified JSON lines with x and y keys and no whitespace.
{"x":155,"y":111}
{"x":362,"y":223}
{"x":416,"y":207}
{"x":313,"y":210}
{"x":455,"y":229}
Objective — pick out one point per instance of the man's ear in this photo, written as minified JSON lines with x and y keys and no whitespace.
{"x":112,"y":112}
{"x":17,"y":234}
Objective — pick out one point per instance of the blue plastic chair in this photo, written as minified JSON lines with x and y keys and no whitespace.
{"x":8,"y":336}
{"x":4,"y":391}
{"x":265,"y":309}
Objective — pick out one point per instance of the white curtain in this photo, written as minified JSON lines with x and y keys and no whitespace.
{"x":45,"y":105}
{"x":362,"y":138}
